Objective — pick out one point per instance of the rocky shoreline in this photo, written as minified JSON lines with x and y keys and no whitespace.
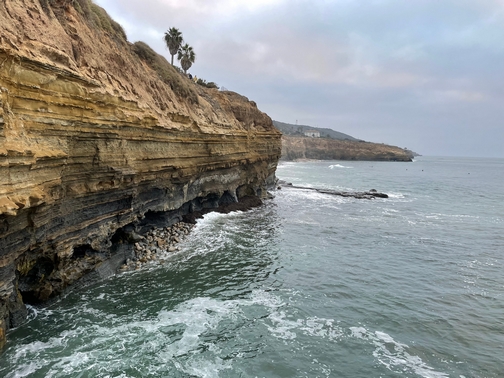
{"x":137,"y":248}
{"x":156,"y":245}
{"x":159,"y":242}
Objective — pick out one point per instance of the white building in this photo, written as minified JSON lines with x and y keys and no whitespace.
{"x":312,"y":133}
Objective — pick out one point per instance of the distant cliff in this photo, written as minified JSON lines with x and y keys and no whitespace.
{"x":299,"y":130}
{"x":295,"y":148}
{"x":98,"y":137}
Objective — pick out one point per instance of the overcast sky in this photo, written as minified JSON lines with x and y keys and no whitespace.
{"x":422,"y":74}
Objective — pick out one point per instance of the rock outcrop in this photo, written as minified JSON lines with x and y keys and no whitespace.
{"x":296,"y":148}
{"x":96,"y":139}
{"x":370,"y":194}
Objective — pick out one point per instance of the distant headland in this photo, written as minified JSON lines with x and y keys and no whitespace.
{"x":307,"y":142}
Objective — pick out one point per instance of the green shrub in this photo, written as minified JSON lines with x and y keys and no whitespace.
{"x":95,"y":20}
{"x":93,"y":13}
{"x":83,"y":6}
{"x":98,"y":17}
{"x":166,"y":72}
{"x":210,"y":84}
{"x":118,"y":29}
{"x":103,"y":17}
{"x":143,"y":50}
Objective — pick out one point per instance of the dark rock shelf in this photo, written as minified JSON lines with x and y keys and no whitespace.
{"x":371,"y":194}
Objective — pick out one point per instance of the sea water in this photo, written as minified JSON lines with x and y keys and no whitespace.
{"x":309,"y":285}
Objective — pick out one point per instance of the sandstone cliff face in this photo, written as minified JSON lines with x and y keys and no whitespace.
{"x":92,"y":140}
{"x":294,"y":148}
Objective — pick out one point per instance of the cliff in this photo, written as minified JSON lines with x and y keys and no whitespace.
{"x":99,"y":137}
{"x":294,"y":148}
{"x":299,"y":130}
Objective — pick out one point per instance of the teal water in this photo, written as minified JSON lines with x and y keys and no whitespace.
{"x":309,"y":285}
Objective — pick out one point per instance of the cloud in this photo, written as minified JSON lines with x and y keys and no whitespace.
{"x":382,"y":70}
{"x":464,"y":96}
{"x":220,"y":8}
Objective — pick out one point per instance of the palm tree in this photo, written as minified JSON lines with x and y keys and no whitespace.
{"x":186,"y":56}
{"x":173,"y":38}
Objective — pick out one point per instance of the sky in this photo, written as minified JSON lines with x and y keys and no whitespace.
{"x":427,"y":75}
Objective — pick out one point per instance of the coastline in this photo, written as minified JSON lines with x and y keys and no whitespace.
{"x":313,"y":148}
{"x":89,"y":156}
{"x":151,"y":241}
{"x":158,"y":243}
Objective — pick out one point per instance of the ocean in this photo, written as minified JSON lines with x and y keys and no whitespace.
{"x":308,"y":285}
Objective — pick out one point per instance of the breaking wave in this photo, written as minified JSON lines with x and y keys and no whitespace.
{"x":338,"y":166}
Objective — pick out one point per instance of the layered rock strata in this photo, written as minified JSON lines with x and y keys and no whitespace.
{"x":97,"y":142}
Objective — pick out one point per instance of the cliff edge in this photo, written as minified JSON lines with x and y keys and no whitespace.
{"x":98,"y":137}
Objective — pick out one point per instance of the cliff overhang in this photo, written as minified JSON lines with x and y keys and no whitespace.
{"x":96,"y":142}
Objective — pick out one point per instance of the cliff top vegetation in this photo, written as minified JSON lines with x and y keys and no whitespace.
{"x":167,"y":73}
{"x":97,"y":18}
{"x":95,"y":15}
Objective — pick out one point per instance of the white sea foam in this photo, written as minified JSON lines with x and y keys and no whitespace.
{"x":393,"y":355}
{"x":173,"y":335}
{"x":32,"y":312}
{"x":27,"y":350}
{"x":25,"y":370}
{"x":71,"y":364}
{"x":283,"y":164}
{"x":285,"y":326}
{"x":281,"y":327}
{"x":323,"y":328}
{"x":196,"y":317}
{"x":267,"y":299}
{"x":359,"y":332}
{"x":338,"y":166}
{"x":206,"y":369}
{"x":296,"y":195}
{"x":396,"y":195}
{"x":214,"y":216}
{"x":184,"y":337}
{"x":440,"y":215}
{"x":390,"y":212}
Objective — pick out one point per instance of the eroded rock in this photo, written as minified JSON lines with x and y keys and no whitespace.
{"x":93,"y":140}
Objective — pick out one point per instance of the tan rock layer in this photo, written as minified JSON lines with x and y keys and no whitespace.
{"x":91,"y":140}
{"x":298,"y":148}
